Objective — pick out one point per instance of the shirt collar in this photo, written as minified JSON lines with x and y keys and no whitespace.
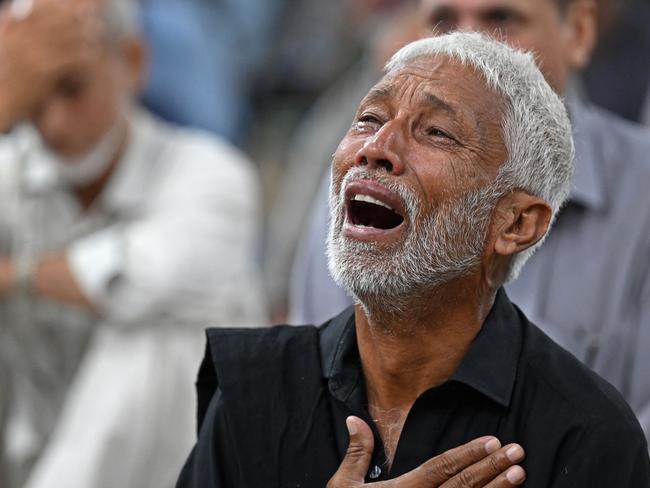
{"x":588,"y":184}
{"x":125,"y":189}
{"x":339,"y":353}
{"x":489,"y":367}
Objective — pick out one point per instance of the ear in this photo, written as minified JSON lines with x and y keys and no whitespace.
{"x":581,"y":24}
{"x":522,"y":220}
{"x":134,"y":54}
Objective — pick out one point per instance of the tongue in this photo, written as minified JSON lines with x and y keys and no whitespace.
{"x":371,"y":215}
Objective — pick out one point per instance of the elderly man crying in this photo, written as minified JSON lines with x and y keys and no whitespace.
{"x":450,"y":175}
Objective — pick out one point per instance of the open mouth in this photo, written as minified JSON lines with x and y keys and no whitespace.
{"x":367,"y":211}
{"x":372,"y":209}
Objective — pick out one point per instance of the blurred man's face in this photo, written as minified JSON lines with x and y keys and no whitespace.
{"x":85,"y":103}
{"x":541,"y":26}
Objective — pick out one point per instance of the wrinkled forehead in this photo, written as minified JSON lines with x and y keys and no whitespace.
{"x":441,"y":83}
{"x":439,"y":69}
{"x":437,"y":91}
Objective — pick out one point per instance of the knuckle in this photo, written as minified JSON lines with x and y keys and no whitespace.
{"x":494,"y":465}
{"x":447,"y":465}
{"x":466,"y":478}
{"x":355,"y":451}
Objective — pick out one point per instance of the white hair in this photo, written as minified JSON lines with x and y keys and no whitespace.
{"x":535,"y":123}
{"x":122,"y":18}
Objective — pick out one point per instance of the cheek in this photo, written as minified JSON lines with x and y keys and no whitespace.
{"x":343,"y":158}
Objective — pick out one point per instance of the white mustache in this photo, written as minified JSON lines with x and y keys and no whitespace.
{"x":412,"y":204}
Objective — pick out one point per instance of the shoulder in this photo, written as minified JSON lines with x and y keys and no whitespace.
{"x":268,"y":341}
{"x":250,"y":354}
{"x":620,"y":141}
{"x":188,"y":150}
{"x":585,"y":433}
{"x":569,"y":387}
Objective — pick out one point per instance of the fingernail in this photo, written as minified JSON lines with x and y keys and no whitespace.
{"x":515,"y":475}
{"x":352,"y":426}
{"x":492,"y":445}
{"x":515,"y":453}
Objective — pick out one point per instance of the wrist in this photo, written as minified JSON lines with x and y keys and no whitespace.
{"x":22,"y":275}
{"x":6,"y":276}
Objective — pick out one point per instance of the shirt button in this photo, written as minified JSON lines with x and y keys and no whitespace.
{"x":375,"y":472}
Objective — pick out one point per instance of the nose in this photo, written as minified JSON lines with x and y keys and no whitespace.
{"x":468,"y":24}
{"x":383,"y":150}
{"x":52,"y":121}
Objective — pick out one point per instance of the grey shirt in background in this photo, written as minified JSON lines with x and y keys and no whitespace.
{"x":588,"y":286}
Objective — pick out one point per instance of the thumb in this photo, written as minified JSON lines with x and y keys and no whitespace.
{"x":355,"y":465}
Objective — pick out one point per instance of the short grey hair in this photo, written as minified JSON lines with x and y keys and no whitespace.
{"x":122,"y":18}
{"x":535,"y":124}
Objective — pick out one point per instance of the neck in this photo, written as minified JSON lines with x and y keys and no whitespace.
{"x":404,"y":355}
{"x":88,"y":194}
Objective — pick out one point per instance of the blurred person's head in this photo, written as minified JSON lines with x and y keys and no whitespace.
{"x":84,"y":120}
{"x":560,"y":32}
{"x":609,"y":13}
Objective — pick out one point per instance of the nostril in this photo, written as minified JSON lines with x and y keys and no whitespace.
{"x":363,"y":161}
{"x":386,"y":164}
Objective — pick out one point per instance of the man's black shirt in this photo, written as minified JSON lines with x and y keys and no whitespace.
{"x":277,"y":417}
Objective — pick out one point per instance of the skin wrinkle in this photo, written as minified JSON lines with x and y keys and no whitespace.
{"x":443,"y":243}
{"x":425,"y":288}
{"x":531,"y":112}
{"x":480,"y":146}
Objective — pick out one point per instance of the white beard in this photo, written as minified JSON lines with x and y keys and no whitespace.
{"x":439,"y":247}
{"x":88,"y":168}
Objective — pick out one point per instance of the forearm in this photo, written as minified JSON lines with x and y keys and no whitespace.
{"x":6,"y":276}
{"x":53,"y":279}
{"x":49,"y":277}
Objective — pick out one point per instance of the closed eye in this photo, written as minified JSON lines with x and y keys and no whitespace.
{"x":436,"y":132}
{"x":368,"y":121}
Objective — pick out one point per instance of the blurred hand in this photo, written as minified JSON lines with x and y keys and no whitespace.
{"x":6,"y":275}
{"x":480,"y":463}
{"x":37,"y":45}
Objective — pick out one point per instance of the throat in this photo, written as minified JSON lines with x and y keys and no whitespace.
{"x":90,"y":193}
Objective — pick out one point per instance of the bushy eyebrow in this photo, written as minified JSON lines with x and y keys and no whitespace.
{"x":438,"y":103}
{"x":381,"y":94}
{"x":377,"y":94}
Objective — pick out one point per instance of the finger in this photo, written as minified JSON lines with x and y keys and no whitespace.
{"x":442,"y":468}
{"x":515,"y":476}
{"x":355,"y":465}
{"x":20,"y":9}
{"x":487,"y":469}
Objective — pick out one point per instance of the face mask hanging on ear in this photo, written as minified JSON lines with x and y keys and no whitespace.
{"x":88,"y":168}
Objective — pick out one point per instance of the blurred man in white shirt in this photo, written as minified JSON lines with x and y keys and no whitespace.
{"x":121,"y":237}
